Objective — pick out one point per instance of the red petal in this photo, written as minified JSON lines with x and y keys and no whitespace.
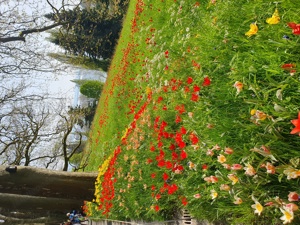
{"x":292,"y":25}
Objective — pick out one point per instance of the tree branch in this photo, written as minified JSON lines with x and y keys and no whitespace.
{"x":21,"y":36}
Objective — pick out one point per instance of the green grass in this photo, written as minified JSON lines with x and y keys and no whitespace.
{"x":171,"y":86}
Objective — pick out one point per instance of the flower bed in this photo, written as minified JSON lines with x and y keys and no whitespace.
{"x":214,"y":127}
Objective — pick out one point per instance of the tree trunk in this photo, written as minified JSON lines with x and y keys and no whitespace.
{"x":44,"y":193}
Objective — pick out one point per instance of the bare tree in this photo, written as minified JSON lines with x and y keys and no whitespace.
{"x":72,"y":133}
{"x":20,"y":51}
{"x":25,"y":130}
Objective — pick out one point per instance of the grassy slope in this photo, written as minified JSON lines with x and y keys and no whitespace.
{"x":167,"y":50}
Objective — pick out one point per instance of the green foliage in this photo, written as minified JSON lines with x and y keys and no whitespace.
{"x":91,"y":88}
{"x":89,"y":32}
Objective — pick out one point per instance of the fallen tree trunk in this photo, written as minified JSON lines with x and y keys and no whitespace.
{"x":47,"y":183}
{"x":29,"y":193}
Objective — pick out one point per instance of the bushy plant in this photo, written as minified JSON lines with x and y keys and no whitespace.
{"x":91,"y":88}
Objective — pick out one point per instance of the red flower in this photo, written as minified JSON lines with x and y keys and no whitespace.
{"x":178,"y":119}
{"x":153,"y":187}
{"x":186,"y":89}
{"x":163,"y":125}
{"x":194,"y":139}
{"x":181,"y":144}
{"x":156,"y":208}
{"x":206,"y":81}
{"x":149,"y":161}
{"x":182,"y":130}
{"x":166,"y":135}
{"x":165,"y":176}
{"x":172,"y":188}
{"x":172,"y":147}
{"x":153,"y":175}
{"x":159,"y":99}
{"x":174,"y":156}
{"x":288,"y":66}
{"x":189,"y":80}
{"x":183,"y":155}
{"x":159,"y":144}
{"x":169,"y":165}
{"x":158,"y":196}
{"x":196,"y":88}
{"x":184,"y":201}
{"x":178,"y":137}
{"x":178,"y":167}
{"x":296,"y":123}
{"x":204,"y":167}
{"x":167,"y":54}
{"x":295,"y":27}
{"x":195,"y":64}
{"x":161,"y":163}
{"x":180,"y":108}
{"x":195,"y":97}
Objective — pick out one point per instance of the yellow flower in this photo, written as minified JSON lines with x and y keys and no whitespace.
{"x":125,"y":134}
{"x":213,"y":194}
{"x":253,"y":30}
{"x":148,"y":90}
{"x":288,"y":215}
{"x":252,"y":112}
{"x":274,"y":19}
{"x":233,"y":178}
{"x":257,"y":206}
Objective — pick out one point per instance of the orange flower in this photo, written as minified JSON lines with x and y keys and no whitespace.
{"x":292,"y":206}
{"x":291,"y":173}
{"x":293,"y":197}
{"x":239,"y":86}
{"x":225,"y":187}
{"x":270,"y":168}
{"x":237,"y":200}
{"x":221,"y":158}
{"x":296,"y":123}
{"x":211,"y":179}
{"x":236,"y":167}
{"x":228,"y":151}
{"x":233,"y":178}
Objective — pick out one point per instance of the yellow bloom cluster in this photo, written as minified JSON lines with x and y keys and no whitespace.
{"x":102,"y":169}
